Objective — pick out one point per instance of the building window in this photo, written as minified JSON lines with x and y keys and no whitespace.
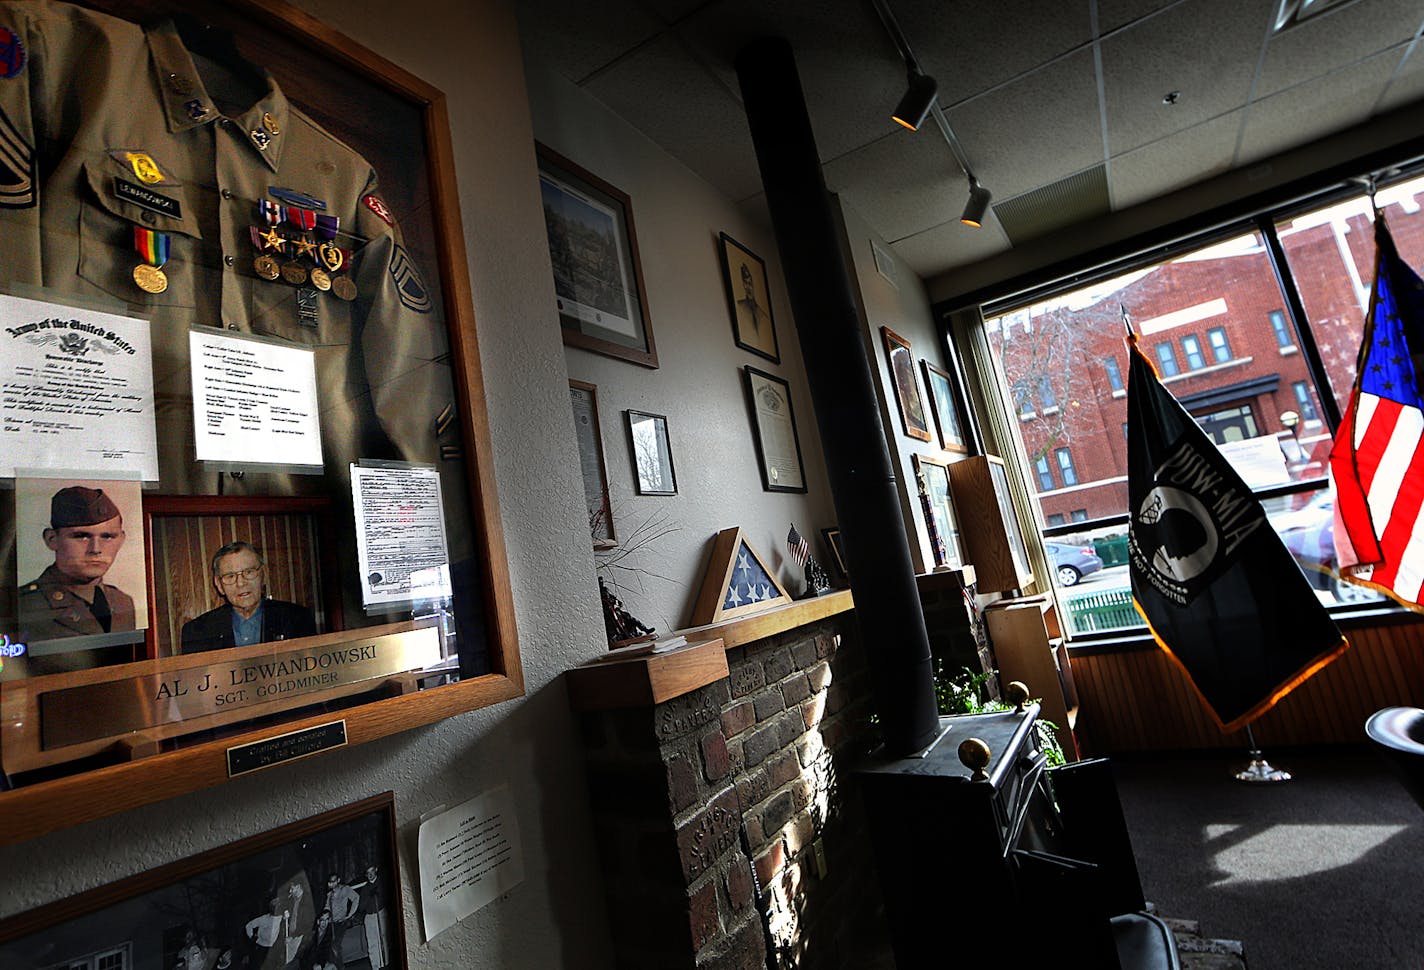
{"x":1282,"y":330}
{"x":1167,"y":360}
{"x":1191,"y":347}
{"x":1220,"y":348}
{"x":1304,"y":402}
{"x":1079,"y":515}
{"x":1065,"y":466}
{"x":1045,"y":474}
{"x":1046,"y":397}
{"x":1056,"y":519}
{"x":1114,"y":373}
{"x":1229,"y":424}
{"x":1023,"y":399}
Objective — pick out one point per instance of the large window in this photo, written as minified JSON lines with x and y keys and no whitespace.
{"x":1211,"y":319}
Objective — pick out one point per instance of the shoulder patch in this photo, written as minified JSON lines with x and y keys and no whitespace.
{"x":17,"y":167}
{"x":374,"y":203}
{"x":413,"y":293}
{"x":12,"y":53}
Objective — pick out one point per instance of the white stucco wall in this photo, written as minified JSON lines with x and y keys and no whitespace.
{"x":556,"y":917}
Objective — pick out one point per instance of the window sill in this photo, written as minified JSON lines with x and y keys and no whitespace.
{"x":1210,"y":369}
{"x":1287,"y":351}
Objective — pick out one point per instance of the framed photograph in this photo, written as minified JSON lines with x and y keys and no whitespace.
{"x":349,"y":341}
{"x":774,"y":430}
{"x":748,"y":299}
{"x":322,"y":892}
{"x":944,"y":402}
{"x":652,"y":453}
{"x":836,"y":546}
{"x":941,"y":509}
{"x":913,"y":419}
{"x":583,"y":398}
{"x":269,"y":561}
{"x":598,"y":279}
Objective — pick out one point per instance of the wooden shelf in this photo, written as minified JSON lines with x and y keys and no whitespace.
{"x":758,"y":626}
{"x":646,"y":679}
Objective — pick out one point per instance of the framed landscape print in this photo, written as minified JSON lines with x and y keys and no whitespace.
{"x":748,"y":298}
{"x":598,"y":279}
{"x":913,"y":419}
{"x":324,"y":891}
{"x":774,"y":425}
{"x":944,"y":404}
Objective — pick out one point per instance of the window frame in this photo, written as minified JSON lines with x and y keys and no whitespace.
{"x":1192,"y":352}
{"x":1167,"y":361}
{"x":1217,"y":349}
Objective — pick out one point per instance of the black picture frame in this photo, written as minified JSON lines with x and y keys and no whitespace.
{"x":748,"y":299}
{"x":944,"y":404}
{"x":200,"y":906}
{"x":774,"y":432}
{"x":940,"y":505}
{"x":618,"y":323}
{"x":832,"y":536}
{"x":650,"y":451}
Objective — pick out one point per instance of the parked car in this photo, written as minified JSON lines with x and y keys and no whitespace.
{"x":1072,"y":563}
{"x":1309,"y":533}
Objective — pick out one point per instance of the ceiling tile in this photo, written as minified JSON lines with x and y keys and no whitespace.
{"x":1171,"y":52}
{"x":1112,"y":14}
{"x":969,"y":46}
{"x":1342,"y":36}
{"x":1035,"y":130}
{"x":933,"y":251}
{"x":681,"y":107}
{"x":1174,"y":162}
{"x":576,"y":38}
{"x":1407,"y":85}
{"x":902,"y":184}
{"x":1314,"y":109}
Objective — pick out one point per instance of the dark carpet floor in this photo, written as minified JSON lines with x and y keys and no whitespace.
{"x":1325,"y":872}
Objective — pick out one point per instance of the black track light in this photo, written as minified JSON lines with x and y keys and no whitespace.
{"x":977,"y":205}
{"x":919,"y":95}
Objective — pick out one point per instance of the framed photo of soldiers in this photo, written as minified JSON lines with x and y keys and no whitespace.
{"x":225,"y":296}
{"x":598,"y":279}
{"x":319,"y":892}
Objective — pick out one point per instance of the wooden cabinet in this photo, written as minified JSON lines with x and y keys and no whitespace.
{"x":989,"y":532}
{"x":1028,"y":646}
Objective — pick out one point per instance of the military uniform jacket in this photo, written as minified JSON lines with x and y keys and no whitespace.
{"x":49,"y":611}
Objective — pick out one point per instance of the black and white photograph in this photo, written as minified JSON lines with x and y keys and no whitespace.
{"x":318,"y":894}
{"x":749,"y":298}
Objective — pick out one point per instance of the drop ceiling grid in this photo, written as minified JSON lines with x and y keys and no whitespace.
{"x":950,"y":244}
{"x":579,"y":38}
{"x":925,"y":189}
{"x":1175,"y":161}
{"x":1335,"y":39}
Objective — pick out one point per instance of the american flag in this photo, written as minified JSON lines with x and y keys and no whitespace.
{"x":1377,"y":461}
{"x":796,"y":545}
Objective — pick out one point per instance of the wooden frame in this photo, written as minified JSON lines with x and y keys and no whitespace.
{"x":583,"y":399}
{"x":340,"y":85}
{"x":203,"y":905}
{"x":217,"y":519}
{"x":748,"y":299}
{"x":606,"y":316}
{"x":944,"y":403}
{"x":651,"y":452}
{"x":898,"y":358}
{"x":836,"y":545}
{"x":774,"y":431}
{"x":733,"y":566}
{"x":993,"y":543}
{"x":941,"y":506}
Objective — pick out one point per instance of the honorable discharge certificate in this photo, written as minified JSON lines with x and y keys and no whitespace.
{"x":400,"y":534}
{"x":254,"y":402}
{"x":77,"y":390}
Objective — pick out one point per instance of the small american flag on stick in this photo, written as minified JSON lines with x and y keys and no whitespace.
{"x":796,"y":545}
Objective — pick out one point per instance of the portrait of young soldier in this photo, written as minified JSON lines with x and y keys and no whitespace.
{"x":247,"y":615}
{"x":70,"y":598}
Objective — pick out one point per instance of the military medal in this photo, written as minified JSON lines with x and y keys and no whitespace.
{"x":272,"y":239}
{"x":307,"y":307}
{"x":343,"y":288}
{"x":303,"y":219}
{"x":266,"y":267}
{"x":271,"y":213}
{"x":154,"y":248}
{"x":320,"y":279}
{"x":294,"y":273}
{"x":332,"y":257}
{"x":305,"y":247}
{"x":326,"y":225}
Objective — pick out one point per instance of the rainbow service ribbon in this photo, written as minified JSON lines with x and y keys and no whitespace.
{"x":153,"y":246}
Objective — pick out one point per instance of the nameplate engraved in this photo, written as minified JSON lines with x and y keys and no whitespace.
{"x":285,"y":747}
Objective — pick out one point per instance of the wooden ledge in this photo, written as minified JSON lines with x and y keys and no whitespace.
{"x":646,"y":679}
{"x":758,"y":626}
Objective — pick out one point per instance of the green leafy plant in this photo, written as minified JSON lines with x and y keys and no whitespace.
{"x":964,"y":694}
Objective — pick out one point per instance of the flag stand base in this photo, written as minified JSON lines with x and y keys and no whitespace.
{"x":1261,"y":770}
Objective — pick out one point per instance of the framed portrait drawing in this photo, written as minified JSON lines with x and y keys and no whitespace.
{"x":275,"y":899}
{"x":913,"y":419}
{"x":583,"y":398}
{"x":652,"y":453}
{"x":940,"y":510}
{"x":774,"y":429}
{"x":944,"y":402}
{"x":748,"y":299}
{"x":334,"y":258}
{"x":598,"y":279}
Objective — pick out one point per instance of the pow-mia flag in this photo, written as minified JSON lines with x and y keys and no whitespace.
{"x":1210,"y":576}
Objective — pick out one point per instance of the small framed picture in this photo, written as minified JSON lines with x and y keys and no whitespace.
{"x":945,"y":405}
{"x":913,"y":418}
{"x":598,"y":279}
{"x":774,"y":424}
{"x":652,"y":453}
{"x":583,"y":398}
{"x":322,"y":892}
{"x":940,"y":510}
{"x":836,"y":547}
{"x":749,"y":299}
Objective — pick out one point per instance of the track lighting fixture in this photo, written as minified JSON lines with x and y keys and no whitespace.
{"x":977,"y":205}
{"x":919,"y":96}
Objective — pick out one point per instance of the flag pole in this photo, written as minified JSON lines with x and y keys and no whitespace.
{"x":1259,"y":769}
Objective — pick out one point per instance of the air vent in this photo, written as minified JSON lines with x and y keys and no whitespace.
{"x":1053,"y":206}
{"x":1292,"y":12}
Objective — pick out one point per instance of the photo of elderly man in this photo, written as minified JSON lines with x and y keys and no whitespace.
{"x":247,"y":615}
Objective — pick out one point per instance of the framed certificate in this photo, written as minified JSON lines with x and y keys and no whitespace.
{"x":774,"y":430}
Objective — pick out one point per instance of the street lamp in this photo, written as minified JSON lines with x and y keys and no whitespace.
{"x":1290,"y":420}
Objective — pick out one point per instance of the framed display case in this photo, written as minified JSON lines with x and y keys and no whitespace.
{"x":245,"y":492}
